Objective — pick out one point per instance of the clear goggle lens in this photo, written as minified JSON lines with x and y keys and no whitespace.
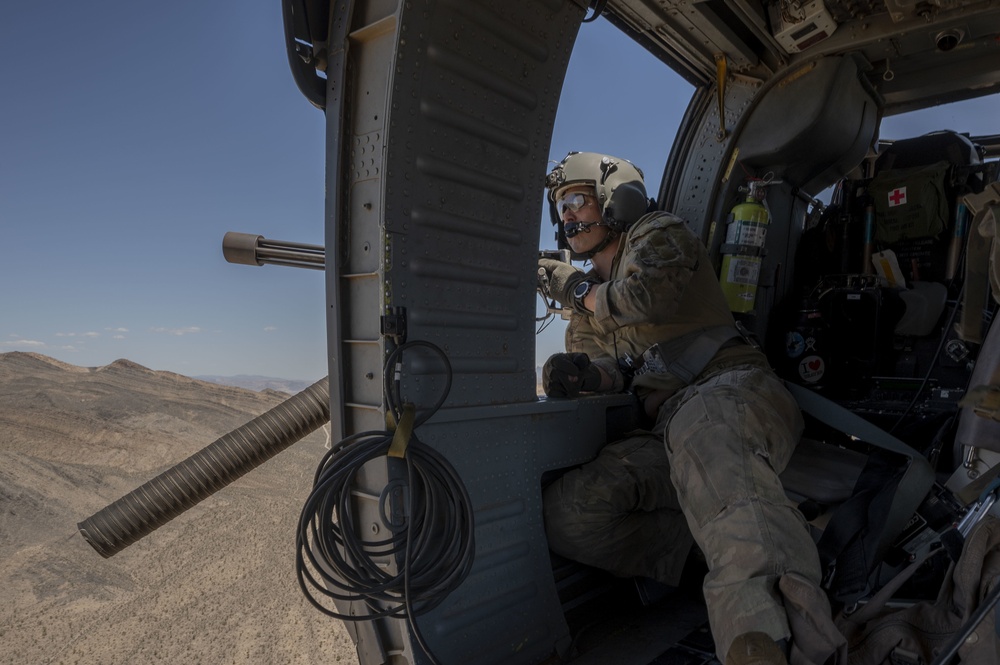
{"x":573,"y":202}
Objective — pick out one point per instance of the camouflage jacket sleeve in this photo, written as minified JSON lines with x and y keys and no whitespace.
{"x":659,"y":257}
{"x":581,"y":338}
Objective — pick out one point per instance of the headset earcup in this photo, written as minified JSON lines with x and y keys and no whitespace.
{"x":627,"y":204}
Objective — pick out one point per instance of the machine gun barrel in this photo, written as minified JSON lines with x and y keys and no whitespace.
{"x":254,"y":250}
{"x":145,"y":509}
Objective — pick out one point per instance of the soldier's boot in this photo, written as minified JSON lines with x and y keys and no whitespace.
{"x":755,"y":649}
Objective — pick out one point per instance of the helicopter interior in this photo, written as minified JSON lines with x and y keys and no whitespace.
{"x":884,"y":402}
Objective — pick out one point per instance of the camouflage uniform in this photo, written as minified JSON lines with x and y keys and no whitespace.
{"x":728,"y":435}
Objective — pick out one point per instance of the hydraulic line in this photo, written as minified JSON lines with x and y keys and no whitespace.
{"x":145,"y":509}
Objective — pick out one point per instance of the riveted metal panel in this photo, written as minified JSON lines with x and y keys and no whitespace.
{"x":436,"y":162}
{"x":473,"y":101}
{"x":705,"y":161}
{"x":507,"y":610}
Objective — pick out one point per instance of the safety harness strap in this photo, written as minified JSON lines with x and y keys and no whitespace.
{"x":849,"y":545}
{"x":857,"y":536}
{"x":685,"y":357}
{"x":693,"y":361}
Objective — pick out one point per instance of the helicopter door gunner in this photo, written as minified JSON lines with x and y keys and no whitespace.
{"x":650,"y":315}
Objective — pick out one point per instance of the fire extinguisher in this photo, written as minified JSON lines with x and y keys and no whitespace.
{"x":743,"y":250}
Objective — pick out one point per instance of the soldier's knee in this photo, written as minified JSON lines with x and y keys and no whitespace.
{"x":561,"y":525}
{"x":574,"y":519}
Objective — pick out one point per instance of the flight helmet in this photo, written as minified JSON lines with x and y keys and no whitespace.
{"x":618,"y":185}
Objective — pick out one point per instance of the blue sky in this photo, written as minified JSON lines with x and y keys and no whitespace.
{"x":134,"y":135}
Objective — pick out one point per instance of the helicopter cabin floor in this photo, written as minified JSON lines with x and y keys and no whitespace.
{"x":674,"y":631}
{"x":611,"y":623}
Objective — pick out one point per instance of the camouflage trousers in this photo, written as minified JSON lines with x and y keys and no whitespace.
{"x":620,"y":512}
{"x":716,"y":481}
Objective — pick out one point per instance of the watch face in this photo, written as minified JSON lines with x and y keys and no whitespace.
{"x":582,"y":289}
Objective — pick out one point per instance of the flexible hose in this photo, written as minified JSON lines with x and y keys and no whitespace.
{"x":145,"y":509}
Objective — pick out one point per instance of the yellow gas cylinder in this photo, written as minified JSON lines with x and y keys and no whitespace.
{"x":743,"y":250}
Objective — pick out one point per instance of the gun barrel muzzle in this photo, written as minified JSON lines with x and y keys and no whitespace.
{"x":254,"y":250}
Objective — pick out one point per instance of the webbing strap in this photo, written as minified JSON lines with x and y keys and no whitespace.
{"x":745,"y":250}
{"x":977,"y":264}
{"x":852,"y":537}
{"x":878,"y":601}
{"x":721,"y":65}
{"x":695,"y":358}
{"x":854,"y":526}
{"x":401,"y":437}
{"x":830,"y":413}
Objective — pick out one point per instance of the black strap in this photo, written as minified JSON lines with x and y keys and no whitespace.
{"x":850,"y":543}
{"x":743,"y":250}
{"x":885,"y":497}
{"x":688,"y":365}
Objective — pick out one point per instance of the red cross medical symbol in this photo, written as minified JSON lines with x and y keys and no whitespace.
{"x":898,"y":197}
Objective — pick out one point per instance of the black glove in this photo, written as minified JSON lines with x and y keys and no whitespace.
{"x":562,"y":279}
{"x":567,"y":374}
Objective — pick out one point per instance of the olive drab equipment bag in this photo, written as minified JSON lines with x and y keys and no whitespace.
{"x":915,"y":193}
{"x":910,"y":203}
{"x":919,"y":634}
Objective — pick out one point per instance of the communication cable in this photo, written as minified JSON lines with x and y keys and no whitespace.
{"x":434,"y":549}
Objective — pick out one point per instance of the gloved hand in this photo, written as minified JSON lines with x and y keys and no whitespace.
{"x":562,"y":279}
{"x":567,"y":374}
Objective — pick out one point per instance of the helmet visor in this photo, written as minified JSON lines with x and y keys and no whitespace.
{"x":572,"y":201}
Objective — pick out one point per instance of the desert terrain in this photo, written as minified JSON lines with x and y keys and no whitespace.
{"x":216,"y":585}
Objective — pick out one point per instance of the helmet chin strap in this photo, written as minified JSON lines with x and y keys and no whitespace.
{"x":574,"y":229}
{"x":608,"y":239}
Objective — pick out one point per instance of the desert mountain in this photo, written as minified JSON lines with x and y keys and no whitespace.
{"x":258,"y":383}
{"x":216,"y":585}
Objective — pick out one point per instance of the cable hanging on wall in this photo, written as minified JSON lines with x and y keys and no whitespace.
{"x":429,"y":517}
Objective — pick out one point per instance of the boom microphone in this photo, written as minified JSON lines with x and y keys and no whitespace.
{"x":575,"y":228}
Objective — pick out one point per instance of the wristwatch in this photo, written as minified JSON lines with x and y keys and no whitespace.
{"x":582,"y":289}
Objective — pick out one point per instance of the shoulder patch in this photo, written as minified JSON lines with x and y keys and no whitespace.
{"x":652,"y":222}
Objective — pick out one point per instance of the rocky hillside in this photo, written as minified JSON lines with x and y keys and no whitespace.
{"x":216,"y":585}
{"x":258,"y":383}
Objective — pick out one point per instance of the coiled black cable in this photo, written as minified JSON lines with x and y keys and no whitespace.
{"x":431,"y":541}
